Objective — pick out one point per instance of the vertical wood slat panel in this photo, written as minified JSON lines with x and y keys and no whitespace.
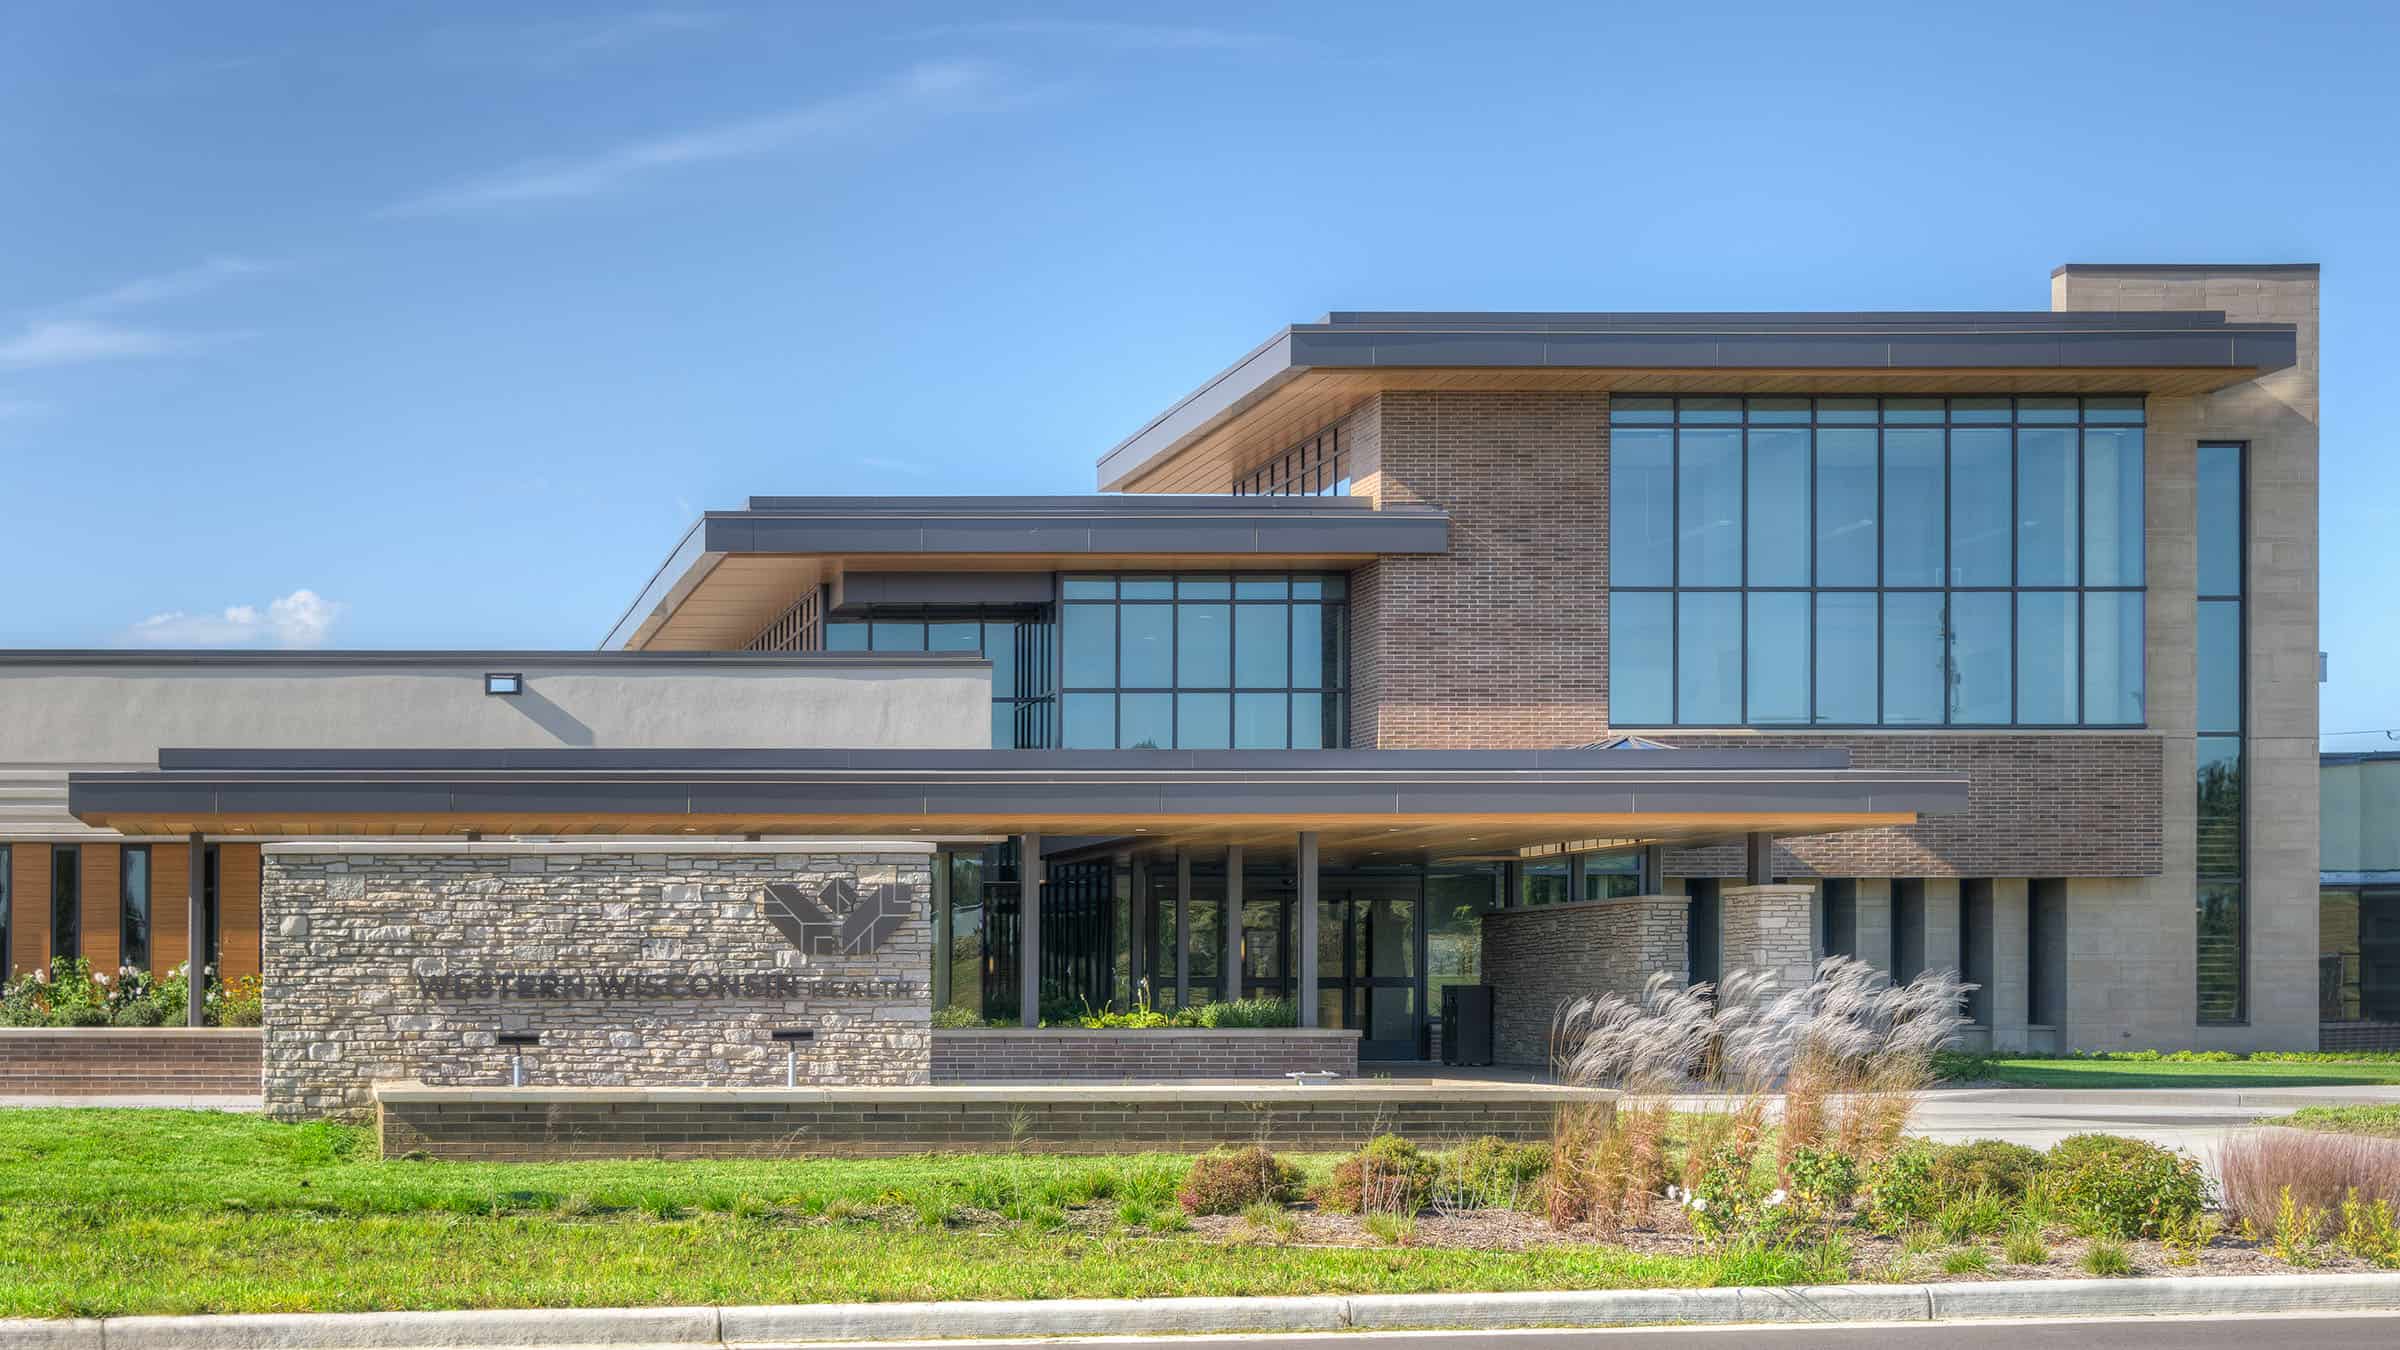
{"x":98,"y":880}
{"x":237,"y":909}
{"x":169,"y":875}
{"x":29,"y":907}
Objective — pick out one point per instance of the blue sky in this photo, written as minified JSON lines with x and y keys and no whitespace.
{"x":383,"y":325}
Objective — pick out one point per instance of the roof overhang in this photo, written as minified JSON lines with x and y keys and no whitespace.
{"x":1310,"y":375}
{"x":735,"y":572}
{"x":1382,"y":804}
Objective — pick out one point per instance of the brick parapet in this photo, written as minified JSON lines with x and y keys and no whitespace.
{"x":1057,"y":1055}
{"x":149,"y":1061}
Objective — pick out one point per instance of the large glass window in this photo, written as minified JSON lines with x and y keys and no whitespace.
{"x":133,"y":908}
{"x":2221,"y":913}
{"x":7,"y":875}
{"x":1876,"y":561}
{"x":1249,"y":661}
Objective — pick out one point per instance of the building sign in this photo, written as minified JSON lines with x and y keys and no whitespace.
{"x":607,"y":982}
{"x":841,"y":919}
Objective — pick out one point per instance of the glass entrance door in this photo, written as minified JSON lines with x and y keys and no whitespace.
{"x":1369,"y":950}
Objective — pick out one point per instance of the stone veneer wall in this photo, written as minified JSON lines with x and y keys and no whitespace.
{"x":1539,"y":958}
{"x":1061,"y":1055}
{"x":352,"y":930}
{"x":1769,"y":930}
{"x":150,"y":1061}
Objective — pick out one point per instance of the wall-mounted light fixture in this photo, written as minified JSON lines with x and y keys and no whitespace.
{"x":793,"y":1038}
{"x":503,"y":682}
{"x":516,"y":1041}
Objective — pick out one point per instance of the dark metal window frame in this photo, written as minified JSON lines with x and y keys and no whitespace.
{"x":2239,"y":880}
{"x":126,"y":924}
{"x":1333,"y":710}
{"x":503,"y":683}
{"x":1313,"y":468}
{"x":1674,"y":424}
{"x":66,"y":902}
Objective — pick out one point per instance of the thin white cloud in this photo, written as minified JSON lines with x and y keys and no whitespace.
{"x":301,"y":619}
{"x":165,"y":286}
{"x":919,"y":90}
{"x":69,"y":342}
{"x":1131,"y":36}
{"x":558,"y":44}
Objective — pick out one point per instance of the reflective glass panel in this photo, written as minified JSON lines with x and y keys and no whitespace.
{"x":1088,"y":635}
{"x":1203,"y":650}
{"x":1846,"y":507}
{"x":2112,"y":506}
{"x":1260,"y":721}
{"x":1088,"y":721}
{"x":1146,"y":721}
{"x":2112,"y":657}
{"x":1913,"y":507}
{"x":1778,"y":656}
{"x":1146,"y":646}
{"x":1979,"y":657}
{"x":1262,"y":645}
{"x":1203,"y":721}
{"x":1846,"y":653}
{"x":1915,"y":660}
{"x":1778,"y":505}
{"x":1709,"y":508}
{"x":2218,"y":529}
{"x":1708,"y":658}
{"x":1641,"y":649}
{"x":1980,"y":528}
{"x":1641,"y":507}
{"x":2219,"y":665}
{"x":2048,"y":639}
{"x":2047,"y":537}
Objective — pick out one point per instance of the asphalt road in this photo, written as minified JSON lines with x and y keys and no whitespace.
{"x":2334,"y":1331}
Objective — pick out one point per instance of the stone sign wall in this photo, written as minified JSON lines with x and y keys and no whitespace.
{"x":636,"y":966}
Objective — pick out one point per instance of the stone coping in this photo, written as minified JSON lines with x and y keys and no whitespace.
{"x":1263,"y":1091}
{"x":206,"y":1033}
{"x":1117,"y":1033}
{"x":603,"y":845}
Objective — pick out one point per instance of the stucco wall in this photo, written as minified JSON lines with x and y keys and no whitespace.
{"x":407,"y":962}
{"x":57,"y":715}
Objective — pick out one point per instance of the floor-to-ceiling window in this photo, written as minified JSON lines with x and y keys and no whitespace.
{"x":1876,"y":562}
{"x":2220,"y":911}
{"x":1247,"y":661}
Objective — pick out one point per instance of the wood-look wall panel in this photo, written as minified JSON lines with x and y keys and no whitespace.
{"x":170,"y":902}
{"x":238,"y":909}
{"x":29,"y":907}
{"x":100,"y":898}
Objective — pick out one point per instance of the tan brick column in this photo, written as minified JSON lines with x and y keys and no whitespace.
{"x":1767,"y":928}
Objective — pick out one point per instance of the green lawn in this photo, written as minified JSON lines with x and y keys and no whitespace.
{"x":120,"y":1212}
{"x":2377,"y":1120}
{"x":2103,"y":1073}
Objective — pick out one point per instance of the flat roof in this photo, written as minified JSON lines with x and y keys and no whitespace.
{"x":1363,"y":803}
{"x":2010,"y":351}
{"x":494,"y":660}
{"x":735,"y":571}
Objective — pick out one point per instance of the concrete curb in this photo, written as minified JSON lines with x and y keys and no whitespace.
{"x":681,"y":1328}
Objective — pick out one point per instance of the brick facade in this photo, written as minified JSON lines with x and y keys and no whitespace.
{"x":1060,"y":1055}
{"x":149,"y":1061}
{"x":353,"y":937}
{"x":1539,"y":958}
{"x":2070,"y":804}
{"x":501,"y":1126}
{"x":1502,"y":642}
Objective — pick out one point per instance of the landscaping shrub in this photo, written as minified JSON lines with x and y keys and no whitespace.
{"x":2124,"y":1187}
{"x":954,"y":1018}
{"x":1388,"y":1176}
{"x":1230,"y":1180}
{"x":1992,"y":1165}
{"x":1244,"y":1013}
{"x":237,"y":1004}
{"x":1492,"y":1173}
{"x":1899,"y":1189}
{"x":138,"y":1014}
{"x":1821,"y":1180}
{"x":2321,"y":1171}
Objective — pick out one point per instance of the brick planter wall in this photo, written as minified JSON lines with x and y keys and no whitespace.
{"x":165,"y":1061}
{"x":2358,"y":1036}
{"x":1536,"y":959}
{"x":564,"y":1124}
{"x":1061,"y":1055}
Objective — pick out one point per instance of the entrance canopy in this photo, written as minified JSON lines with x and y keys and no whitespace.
{"x":1379,"y":805}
